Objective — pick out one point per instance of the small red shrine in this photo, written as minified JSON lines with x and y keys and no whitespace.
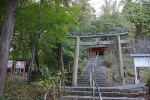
{"x":94,"y":50}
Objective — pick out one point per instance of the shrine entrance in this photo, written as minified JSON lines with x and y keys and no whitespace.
{"x":95,"y":50}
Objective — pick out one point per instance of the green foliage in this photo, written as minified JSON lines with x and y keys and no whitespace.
{"x":55,"y":21}
{"x":128,"y":61}
{"x":110,"y":19}
{"x":148,"y":84}
{"x":3,"y":6}
{"x":20,"y":90}
{"x":86,"y":17}
{"x":68,"y":53}
{"x":109,"y":59}
{"x":82,"y":65}
{"x":49,"y":78}
{"x":138,"y":14}
{"x":83,"y":53}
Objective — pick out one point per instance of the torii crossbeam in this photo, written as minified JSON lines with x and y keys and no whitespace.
{"x":98,"y":43}
{"x":101,"y":34}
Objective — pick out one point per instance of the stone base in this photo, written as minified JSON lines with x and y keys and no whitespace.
{"x":137,"y":81}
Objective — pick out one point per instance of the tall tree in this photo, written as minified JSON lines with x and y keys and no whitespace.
{"x":87,"y":15}
{"x":55,"y":20}
{"x":5,"y":40}
{"x":3,"y":7}
{"x":110,"y":18}
{"x":138,"y":14}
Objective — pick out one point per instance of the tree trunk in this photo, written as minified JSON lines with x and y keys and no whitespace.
{"x":59,"y":57}
{"x":138,"y":72}
{"x":5,"y":40}
{"x":36,"y":61}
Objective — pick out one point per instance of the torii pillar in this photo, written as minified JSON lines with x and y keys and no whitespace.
{"x":75,"y":63}
{"x":120,"y":61}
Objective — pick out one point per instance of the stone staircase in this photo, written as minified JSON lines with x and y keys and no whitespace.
{"x":108,"y":93}
{"x":83,"y":91}
{"x":100,"y":72}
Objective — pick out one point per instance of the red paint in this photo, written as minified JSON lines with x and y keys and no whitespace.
{"x":20,"y":67}
{"x":95,"y":50}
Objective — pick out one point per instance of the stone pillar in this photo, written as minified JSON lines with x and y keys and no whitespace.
{"x":120,"y":61}
{"x":75,"y":63}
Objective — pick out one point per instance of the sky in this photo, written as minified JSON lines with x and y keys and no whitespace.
{"x":98,"y":3}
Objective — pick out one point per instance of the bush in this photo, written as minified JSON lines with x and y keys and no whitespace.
{"x":20,"y":90}
{"x":148,"y":84}
{"x":109,"y":59}
{"x":82,"y":66}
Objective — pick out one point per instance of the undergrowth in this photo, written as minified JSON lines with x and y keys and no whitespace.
{"x":20,"y":90}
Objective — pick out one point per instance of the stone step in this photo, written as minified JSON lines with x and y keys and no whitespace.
{"x":97,"y":78}
{"x":99,"y":66}
{"x":104,"y":94}
{"x":100,"y":85}
{"x":84,"y":82}
{"x":87,"y":71}
{"x":97,"y":98}
{"x":134,"y":89}
{"x":115,"y":93}
{"x":100,"y":73}
{"x":96,"y":74}
{"x":84,"y":92}
{"x":88,"y":82}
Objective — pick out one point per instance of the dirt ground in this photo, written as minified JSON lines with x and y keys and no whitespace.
{"x":130,"y":78}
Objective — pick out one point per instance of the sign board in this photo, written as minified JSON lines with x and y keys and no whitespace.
{"x":9,"y":64}
{"x":142,"y":62}
{"x":20,"y":64}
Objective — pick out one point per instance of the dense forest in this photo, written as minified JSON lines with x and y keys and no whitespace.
{"x":37,"y":31}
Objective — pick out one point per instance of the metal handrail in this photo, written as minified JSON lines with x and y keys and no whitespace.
{"x":94,"y":81}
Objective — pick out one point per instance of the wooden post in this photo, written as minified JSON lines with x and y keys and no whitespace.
{"x":93,"y":90}
{"x":110,"y":77}
{"x":90,"y":79}
{"x":75,"y":63}
{"x":120,"y":61}
{"x":136,"y":75}
{"x":133,"y":44}
{"x":93,"y":84}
